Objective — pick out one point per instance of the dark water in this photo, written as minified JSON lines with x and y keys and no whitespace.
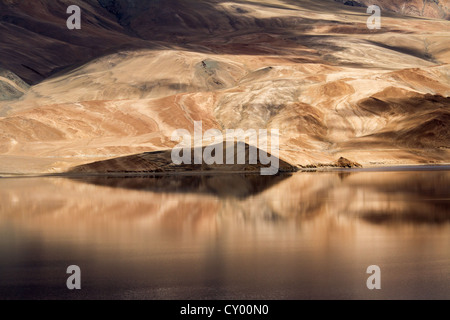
{"x":309,"y":235}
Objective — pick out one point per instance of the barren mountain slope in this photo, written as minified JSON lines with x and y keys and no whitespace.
{"x":36,"y":42}
{"x":421,"y":8}
{"x":310,"y":69}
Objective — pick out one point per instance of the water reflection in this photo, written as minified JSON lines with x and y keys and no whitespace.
{"x":381,"y":197}
{"x":221,"y":185}
{"x":309,"y":235}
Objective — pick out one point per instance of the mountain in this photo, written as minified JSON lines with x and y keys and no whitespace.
{"x":36,"y":42}
{"x":161,"y":162}
{"x":137,"y":71}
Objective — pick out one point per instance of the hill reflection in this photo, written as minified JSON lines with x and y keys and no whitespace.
{"x":221,"y":185}
{"x":375,"y":197}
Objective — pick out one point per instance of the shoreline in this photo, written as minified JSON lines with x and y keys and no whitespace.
{"x":389,"y":168}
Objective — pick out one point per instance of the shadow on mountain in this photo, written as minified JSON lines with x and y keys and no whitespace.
{"x":37,"y":46}
{"x":416,"y":122}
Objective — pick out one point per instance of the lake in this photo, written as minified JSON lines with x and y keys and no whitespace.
{"x":309,"y":235}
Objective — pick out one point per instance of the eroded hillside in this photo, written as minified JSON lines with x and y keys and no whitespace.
{"x":135,"y":73}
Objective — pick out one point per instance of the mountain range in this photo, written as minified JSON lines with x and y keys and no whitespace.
{"x":138,"y":70}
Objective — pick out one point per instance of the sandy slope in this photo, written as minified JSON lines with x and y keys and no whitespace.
{"x":308,"y":68}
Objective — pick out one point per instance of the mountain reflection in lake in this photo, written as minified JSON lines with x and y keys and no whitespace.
{"x":307,"y":235}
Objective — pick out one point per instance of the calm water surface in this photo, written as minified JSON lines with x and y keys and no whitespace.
{"x":307,"y":235}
